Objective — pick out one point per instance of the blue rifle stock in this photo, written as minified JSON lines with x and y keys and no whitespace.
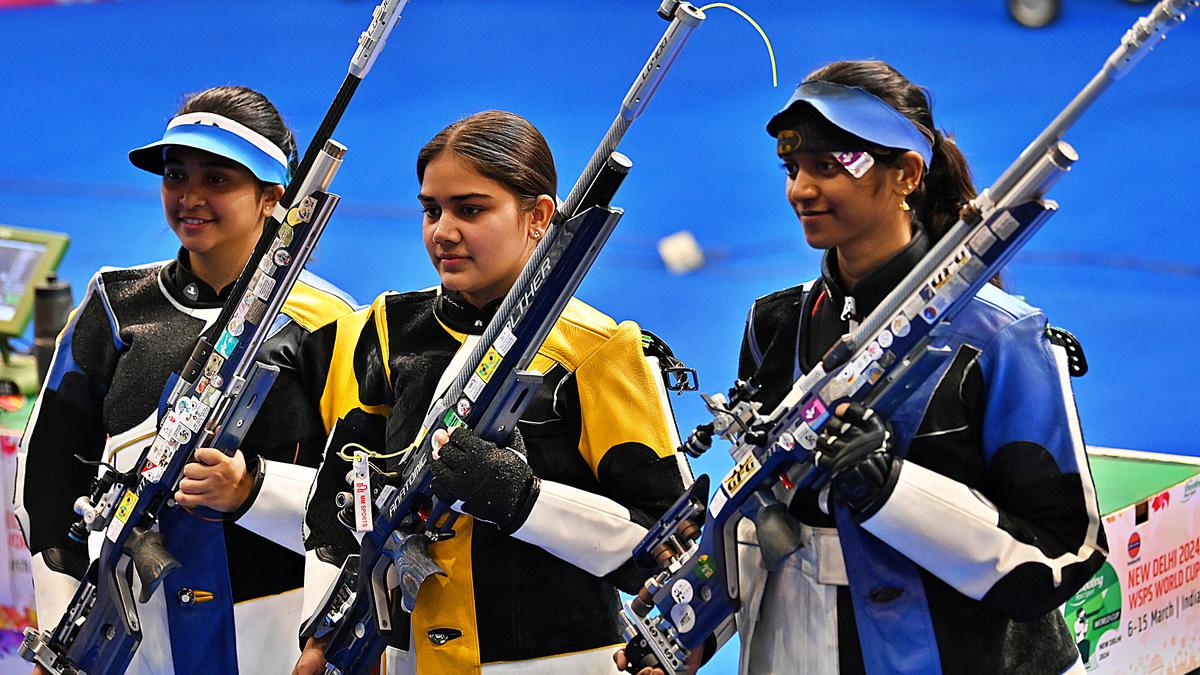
{"x":211,"y":402}
{"x":878,"y":364}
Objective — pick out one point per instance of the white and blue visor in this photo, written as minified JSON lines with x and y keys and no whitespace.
{"x":222,"y":137}
{"x":853,"y":110}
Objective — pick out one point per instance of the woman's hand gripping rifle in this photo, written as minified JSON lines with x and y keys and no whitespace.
{"x":878,"y":366}
{"x":211,"y":402}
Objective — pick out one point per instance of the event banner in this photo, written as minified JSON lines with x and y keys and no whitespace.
{"x":1141,"y":612}
{"x":16,"y":582}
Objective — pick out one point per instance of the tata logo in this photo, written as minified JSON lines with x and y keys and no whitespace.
{"x":1135,"y":545}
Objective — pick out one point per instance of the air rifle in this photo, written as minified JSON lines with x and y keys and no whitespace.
{"x":879,"y":364}
{"x":489,"y":394}
{"x":211,"y":402}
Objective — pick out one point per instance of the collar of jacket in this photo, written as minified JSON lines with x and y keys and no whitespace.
{"x":873,"y":288}
{"x":458,"y":314}
{"x":188,"y":289}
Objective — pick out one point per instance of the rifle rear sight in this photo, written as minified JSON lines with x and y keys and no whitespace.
{"x":735,"y":418}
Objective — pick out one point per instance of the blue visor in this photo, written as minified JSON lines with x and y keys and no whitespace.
{"x":222,"y":137}
{"x":859,"y":112}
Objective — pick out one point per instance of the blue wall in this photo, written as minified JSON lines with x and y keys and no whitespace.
{"x":1119,"y":266}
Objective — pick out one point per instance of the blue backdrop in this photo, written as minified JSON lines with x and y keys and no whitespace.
{"x":1119,"y":266}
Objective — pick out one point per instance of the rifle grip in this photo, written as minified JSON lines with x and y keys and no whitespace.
{"x":151,"y":559}
{"x":777,"y":534}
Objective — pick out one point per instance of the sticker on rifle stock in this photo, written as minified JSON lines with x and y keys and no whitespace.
{"x":504,"y":341}
{"x":684,"y":617}
{"x":1005,"y":225}
{"x":190,"y":420}
{"x":210,"y":397}
{"x":463,"y":407}
{"x":786,"y":441}
{"x":813,"y":412}
{"x":910,"y":310}
{"x":487,"y":367}
{"x":293,"y":216}
{"x":153,"y":471}
{"x":884,"y":338}
{"x":888,"y":358}
{"x":934,"y":309}
{"x":474,"y":387}
{"x":900,"y":326}
{"x":705,"y":566}
{"x":741,"y":473}
{"x":682,"y":591}
{"x":214,"y":365}
{"x":452,"y":420}
{"x":874,"y":350}
{"x":285,"y":234}
{"x":169,"y":424}
{"x":265,"y":286}
{"x":307,"y":205}
{"x":257,"y":311}
{"x":236,"y":326}
{"x":225,"y":344}
{"x":124,"y":510}
{"x":982,"y":240}
{"x":282,"y":257}
{"x":972,"y":269}
{"x":718,"y":500}
{"x":854,"y":385}
{"x":266,"y":266}
{"x":806,"y":437}
{"x":874,"y":372}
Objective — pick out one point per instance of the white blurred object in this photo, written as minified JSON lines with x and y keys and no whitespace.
{"x":680,"y":252}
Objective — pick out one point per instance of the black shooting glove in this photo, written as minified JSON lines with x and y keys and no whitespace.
{"x":855,"y":452}
{"x":493,"y":483}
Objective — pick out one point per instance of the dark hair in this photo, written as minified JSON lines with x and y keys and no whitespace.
{"x":946,"y":185}
{"x":248,"y":108}
{"x":502,"y":146}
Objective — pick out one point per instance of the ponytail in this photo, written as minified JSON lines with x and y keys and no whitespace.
{"x":945,"y":188}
